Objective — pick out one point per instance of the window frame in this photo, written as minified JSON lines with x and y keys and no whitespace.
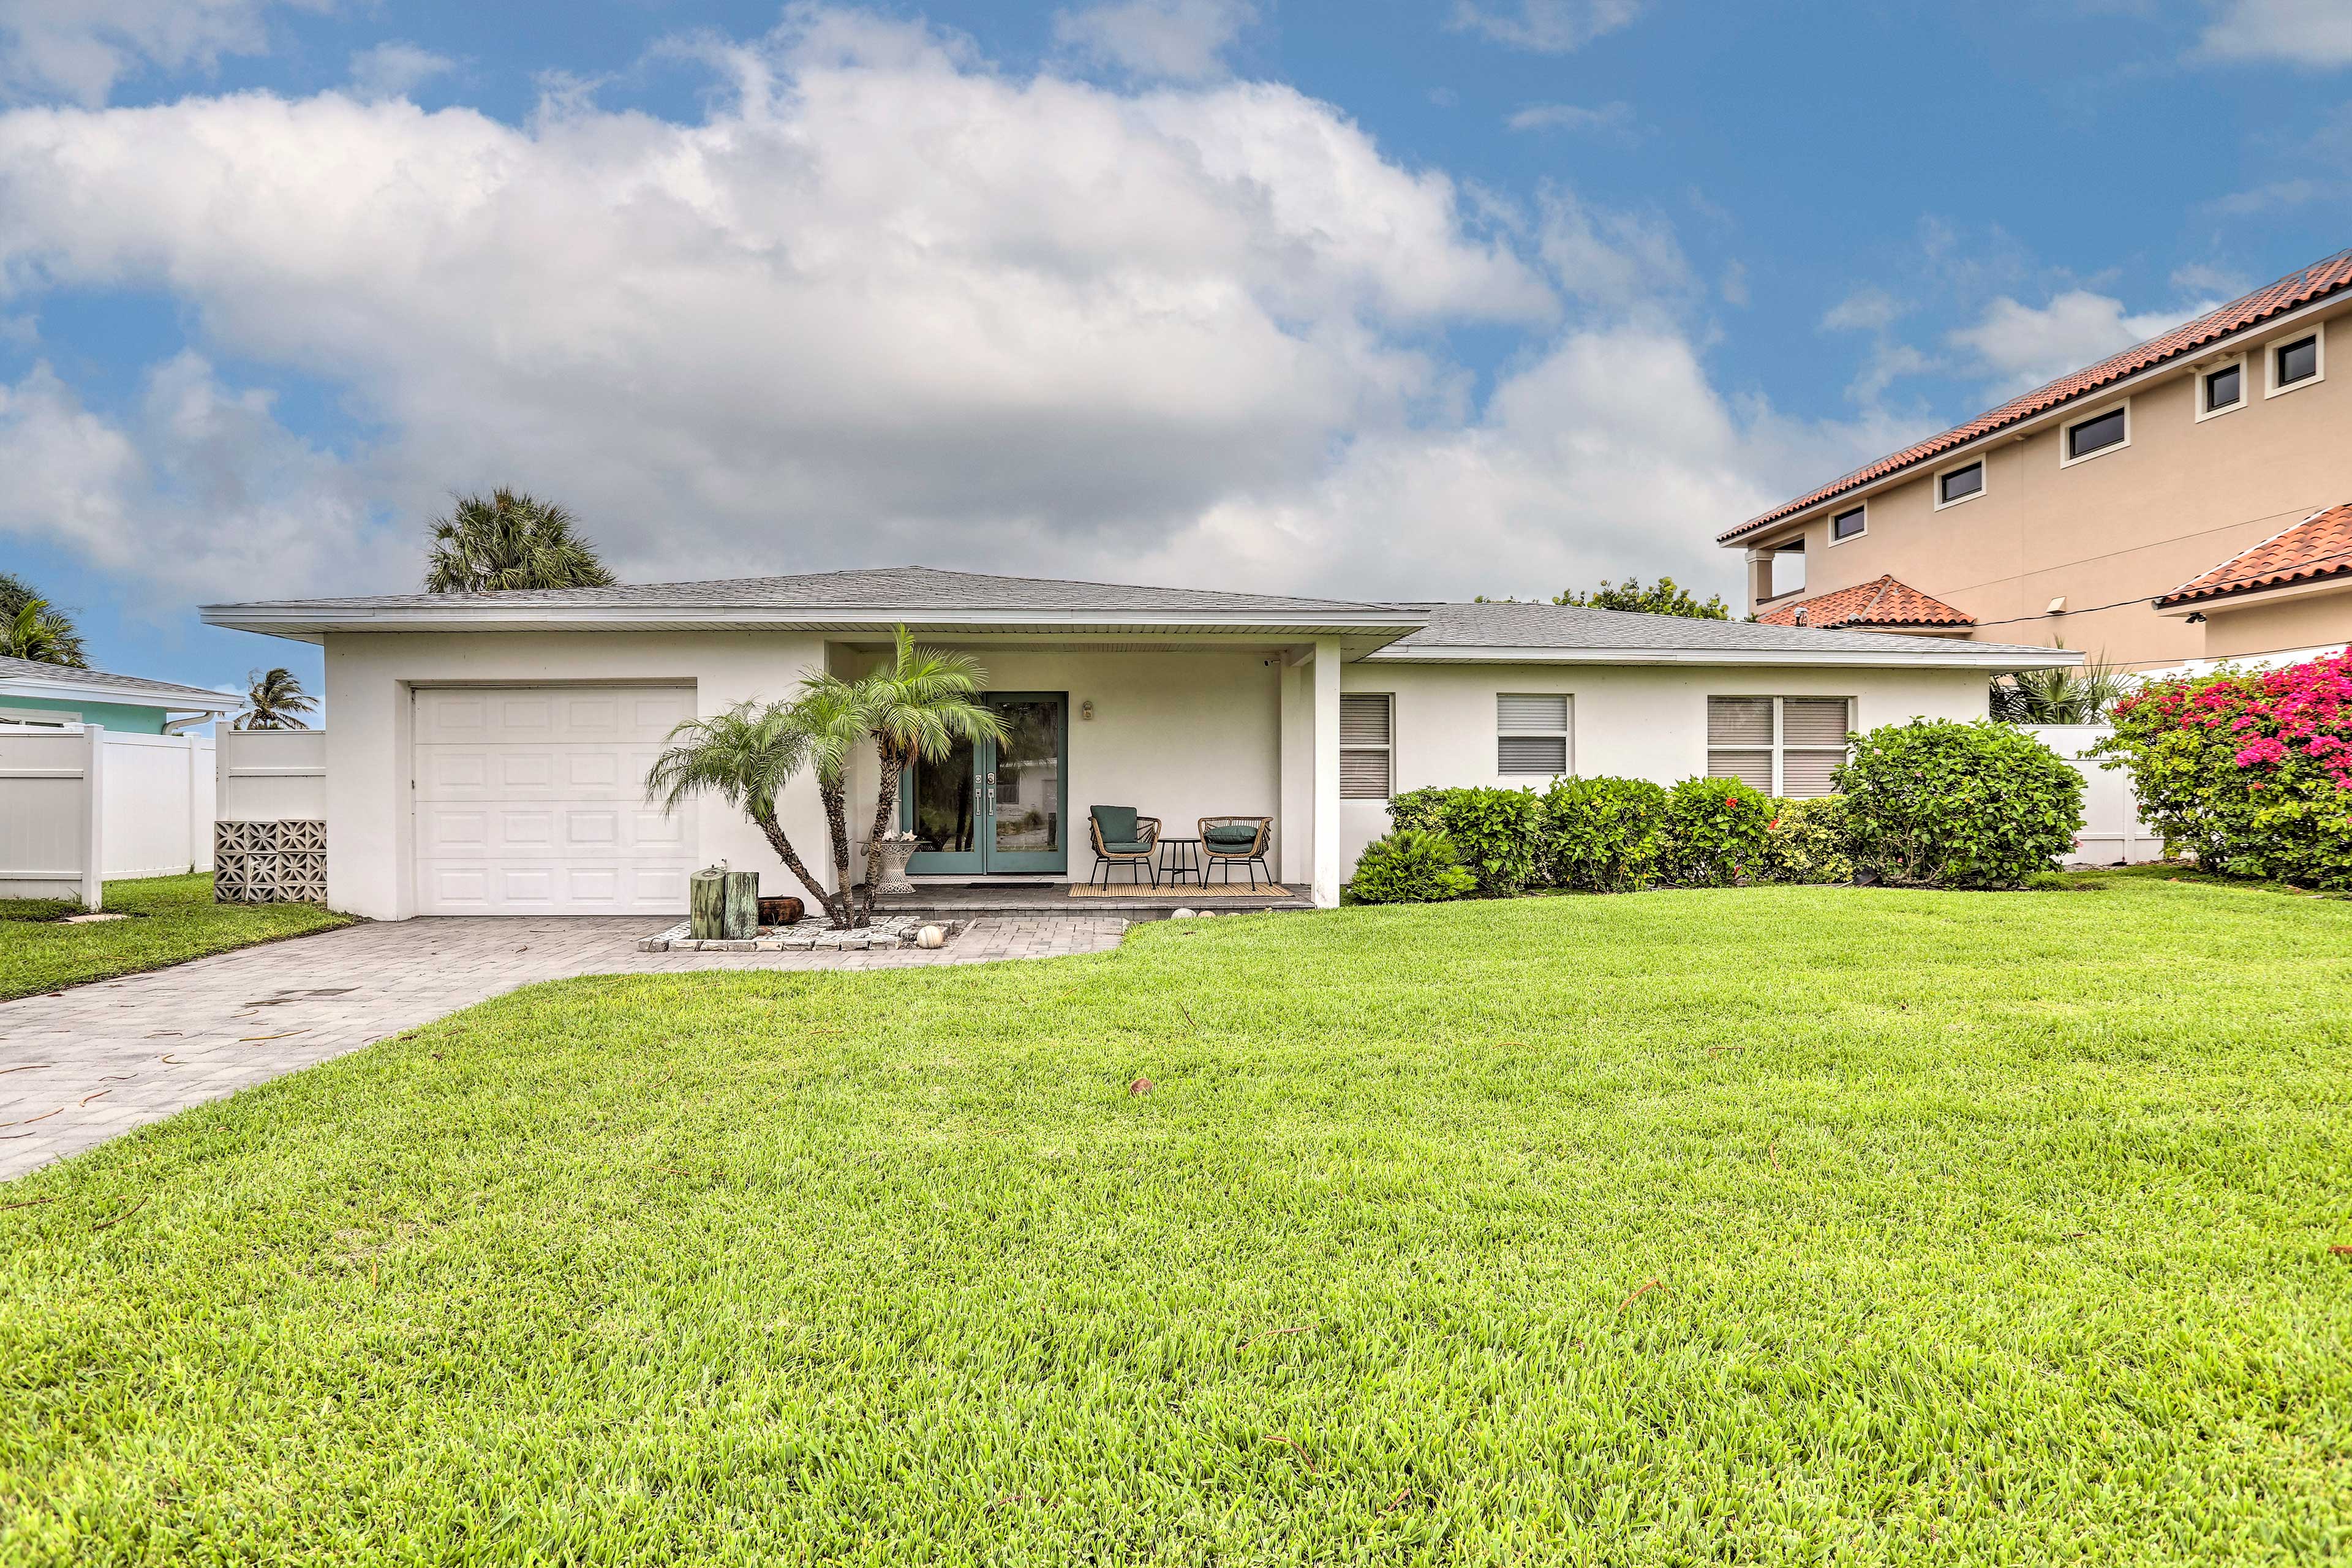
{"x":2279,"y":344}
{"x":2068,"y":458}
{"x":2203,"y":376}
{"x":1779,"y":748}
{"x":1861,"y":511}
{"x":1565,"y":735}
{"x":1984,"y":484}
{"x":1386,"y":748}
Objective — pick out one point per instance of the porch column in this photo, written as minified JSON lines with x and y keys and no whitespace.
{"x":1325,"y":672}
{"x":1295,"y":770}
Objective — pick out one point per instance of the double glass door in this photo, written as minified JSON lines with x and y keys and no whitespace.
{"x":995,"y":806}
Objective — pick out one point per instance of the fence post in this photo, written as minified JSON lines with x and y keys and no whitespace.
{"x":93,"y":808}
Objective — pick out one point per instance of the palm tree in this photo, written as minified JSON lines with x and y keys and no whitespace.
{"x":832,"y":714}
{"x":507,"y":542}
{"x":275,"y":700}
{"x":745,"y":756}
{"x":31,"y":627}
{"x":918,"y":706}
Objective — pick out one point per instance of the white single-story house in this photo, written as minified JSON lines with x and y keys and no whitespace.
{"x":488,"y":751}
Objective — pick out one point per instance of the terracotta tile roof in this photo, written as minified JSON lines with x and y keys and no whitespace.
{"x":2289,"y":294}
{"x":2319,"y":546}
{"x":1881,"y":601}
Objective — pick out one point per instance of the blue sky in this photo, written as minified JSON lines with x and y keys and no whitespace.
{"x":1384,"y":298}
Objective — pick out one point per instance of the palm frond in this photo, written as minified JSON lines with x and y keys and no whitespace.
{"x":509,"y":541}
{"x":744,"y":756}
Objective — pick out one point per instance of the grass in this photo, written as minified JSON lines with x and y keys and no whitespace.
{"x":1774,"y":1225}
{"x":173,"y":919}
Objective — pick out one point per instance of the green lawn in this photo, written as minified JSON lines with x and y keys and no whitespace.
{"x":1775,"y":1226}
{"x":172,"y":919}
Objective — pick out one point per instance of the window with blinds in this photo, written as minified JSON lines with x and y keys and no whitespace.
{"x":1532,"y":733}
{"x":1788,"y":746}
{"x":1367,"y":746}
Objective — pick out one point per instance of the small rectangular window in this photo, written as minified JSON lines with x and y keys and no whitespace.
{"x":2109,"y":429}
{"x":1847,"y":525}
{"x":2297,"y":361}
{"x":1367,"y":746}
{"x":1960,"y":484}
{"x":1532,"y":733}
{"x":2225,"y":388}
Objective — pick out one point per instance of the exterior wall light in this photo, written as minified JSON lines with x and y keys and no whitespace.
{"x":1087,"y":709}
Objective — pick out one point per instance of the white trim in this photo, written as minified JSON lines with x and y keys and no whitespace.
{"x":2066,"y":459}
{"x":1984,"y":484}
{"x":2200,"y":373}
{"x":2289,"y":326}
{"x":1957,"y":655}
{"x":2318,"y":334}
{"x":1861,"y":532}
{"x":319,"y":619}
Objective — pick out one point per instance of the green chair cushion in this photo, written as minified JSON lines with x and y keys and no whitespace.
{"x":1130,"y":847}
{"x":1232,"y":837}
{"x":1117,"y":822}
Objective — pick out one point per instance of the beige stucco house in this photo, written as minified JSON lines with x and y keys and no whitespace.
{"x":486,"y":753}
{"x":2084,"y":511}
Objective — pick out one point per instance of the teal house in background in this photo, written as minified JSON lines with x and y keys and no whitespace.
{"x":57,"y":694}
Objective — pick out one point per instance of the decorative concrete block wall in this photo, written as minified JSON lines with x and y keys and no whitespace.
{"x":269,"y":862}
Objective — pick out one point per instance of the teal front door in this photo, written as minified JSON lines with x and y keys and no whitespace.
{"x":993,"y":806}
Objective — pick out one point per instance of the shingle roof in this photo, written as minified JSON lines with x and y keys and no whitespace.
{"x":1534,"y":625}
{"x":1881,"y":601}
{"x":2291,"y":292}
{"x":2320,"y":546}
{"x":14,"y":670}
{"x":875,"y":589}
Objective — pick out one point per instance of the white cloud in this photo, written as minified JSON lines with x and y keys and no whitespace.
{"x":1866,"y":310}
{"x":887,"y":305}
{"x":1553,"y":27}
{"x":1181,"y":40}
{"x":1610,"y":117}
{"x":79,"y":49}
{"x":2307,"y":32}
{"x":395,"y":70}
{"x":2022,"y":347}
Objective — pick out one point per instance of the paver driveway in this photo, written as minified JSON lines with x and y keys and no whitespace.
{"x":81,"y":1066}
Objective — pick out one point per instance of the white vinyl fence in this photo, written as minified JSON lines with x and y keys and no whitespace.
{"x":80,"y":805}
{"x":2113,"y":834}
{"x":272,"y":776}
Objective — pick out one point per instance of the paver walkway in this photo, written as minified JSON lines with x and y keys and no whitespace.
{"x":81,"y":1066}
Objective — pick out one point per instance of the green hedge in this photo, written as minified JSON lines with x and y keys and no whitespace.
{"x":1601,"y":836}
{"x":1935,"y":803}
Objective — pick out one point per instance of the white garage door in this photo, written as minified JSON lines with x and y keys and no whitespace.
{"x":530,"y":801}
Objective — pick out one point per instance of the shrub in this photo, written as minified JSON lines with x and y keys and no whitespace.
{"x":2249,"y":771}
{"x":1494,"y":829}
{"x":1600,"y":836}
{"x":1410,"y":866}
{"x":1935,"y":803}
{"x":1714,"y":833}
{"x":1805,"y":841}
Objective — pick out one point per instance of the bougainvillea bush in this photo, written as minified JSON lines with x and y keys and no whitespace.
{"x":1935,"y":803}
{"x":2250,"y":770}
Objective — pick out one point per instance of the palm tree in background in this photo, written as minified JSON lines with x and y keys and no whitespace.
{"x":508,"y":540}
{"x":31,"y":627}
{"x":275,"y":700}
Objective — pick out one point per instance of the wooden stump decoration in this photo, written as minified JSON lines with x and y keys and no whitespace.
{"x":780,"y":911}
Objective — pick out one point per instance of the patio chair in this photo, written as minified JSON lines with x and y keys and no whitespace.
{"x":1229,"y":841}
{"x":1123,"y":838}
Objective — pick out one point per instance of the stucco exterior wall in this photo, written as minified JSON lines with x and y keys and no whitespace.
{"x":2129,"y":523}
{"x":370,"y":823}
{"x":1625,"y":721}
{"x":2263,"y":624}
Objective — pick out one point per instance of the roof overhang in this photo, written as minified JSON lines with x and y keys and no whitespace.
{"x":107,"y":692}
{"x":1959,"y":656}
{"x":2248,"y":598}
{"x":1367,"y":629}
{"x":1753,"y":533}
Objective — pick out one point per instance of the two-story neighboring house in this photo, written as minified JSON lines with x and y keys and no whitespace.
{"x":2189,"y":499}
